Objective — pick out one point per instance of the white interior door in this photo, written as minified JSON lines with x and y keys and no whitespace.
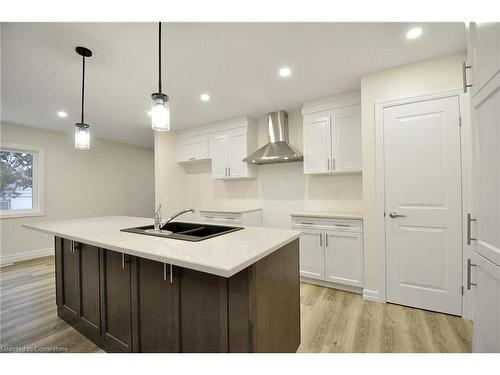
{"x":317,"y":145}
{"x":423,"y":185}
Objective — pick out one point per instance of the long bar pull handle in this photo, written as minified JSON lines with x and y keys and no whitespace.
{"x":123,"y":260}
{"x":326,"y":239}
{"x":229,"y":171}
{"x":469,"y":220}
{"x":334,"y":164}
{"x":328,"y":162}
{"x":164,"y":271}
{"x":321,"y":239}
{"x":72,"y":246}
{"x":171,"y":274}
{"x":469,"y":266}
{"x":464,"y":76}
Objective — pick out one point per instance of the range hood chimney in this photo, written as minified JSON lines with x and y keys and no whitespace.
{"x":277,"y":150}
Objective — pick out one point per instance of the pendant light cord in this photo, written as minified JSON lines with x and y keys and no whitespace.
{"x":159,"y":57}
{"x":83,"y":87}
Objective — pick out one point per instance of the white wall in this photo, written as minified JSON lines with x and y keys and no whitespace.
{"x":428,"y":77}
{"x":279,"y":189}
{"x":110,"y":179}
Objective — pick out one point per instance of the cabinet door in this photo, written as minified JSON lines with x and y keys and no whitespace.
{"x":344,"y":258}
{"x":486,"y":306}
{"x":346,"y":139}
{"x":66,"y":279}
{"x":219,"y":156}
{"x":483,"y":50}
{"x":317,"y":144}
{"x":312,"y":255}
{"x":116,"y":301}
{"x":192,"y":149}
{"x":237,"y":152}
{"x":89,"y":313}
{"x":158,"y":307}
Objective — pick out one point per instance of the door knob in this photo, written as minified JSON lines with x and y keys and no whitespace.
{"x":395,"y":214}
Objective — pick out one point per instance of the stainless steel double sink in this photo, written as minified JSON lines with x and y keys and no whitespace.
{"x":184,"y":231}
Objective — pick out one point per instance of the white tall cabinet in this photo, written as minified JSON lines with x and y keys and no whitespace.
{"x":332,"y":135}
{"x":482,"y":80}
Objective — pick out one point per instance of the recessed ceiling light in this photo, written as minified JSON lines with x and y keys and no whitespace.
{"x":205,"y":97}
{"x":414,"y":33}
{"x":284,"y":72}
{"x":62,"y":114}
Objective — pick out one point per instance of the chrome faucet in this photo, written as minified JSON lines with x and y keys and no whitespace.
{"x":157,"y":222}
{"x":177,"y":214}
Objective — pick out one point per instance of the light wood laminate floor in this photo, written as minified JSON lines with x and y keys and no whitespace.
{"x":332,"y":320}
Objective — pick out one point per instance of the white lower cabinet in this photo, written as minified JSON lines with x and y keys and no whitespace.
{"x":344,"y":258}
{"x":312,"y":255}
{"x":486,"y":306}
{"x":331,"y":250}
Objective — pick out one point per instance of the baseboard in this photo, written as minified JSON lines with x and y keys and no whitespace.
{"x":327,"y":284}
{"x":371,"y":295}
{"x":25,"y":255}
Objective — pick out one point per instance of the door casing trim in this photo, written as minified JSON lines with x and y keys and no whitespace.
{"x":466,"y":160}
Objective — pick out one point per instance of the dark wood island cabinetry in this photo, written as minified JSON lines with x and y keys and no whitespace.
{"x":125,"y":303}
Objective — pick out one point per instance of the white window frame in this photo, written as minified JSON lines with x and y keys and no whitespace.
{"x":38,"y":181}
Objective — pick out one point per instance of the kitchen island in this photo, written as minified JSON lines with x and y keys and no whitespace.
{"x":238,"y":292}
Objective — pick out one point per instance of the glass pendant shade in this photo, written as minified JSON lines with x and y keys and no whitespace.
{"x":160,"y":112}
{"x":82,"y":136}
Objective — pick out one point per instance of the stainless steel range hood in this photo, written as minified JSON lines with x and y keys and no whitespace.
{"x":277,"y":150}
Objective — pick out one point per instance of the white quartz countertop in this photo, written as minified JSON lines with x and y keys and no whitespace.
{"x":229,"y":210}
{"x":330,"y":214}
{"x":223,"y":255}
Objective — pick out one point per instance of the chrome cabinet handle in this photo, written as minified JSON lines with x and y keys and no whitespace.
{"x":225,"y":171}
{"x":191,"y":158}
{"x":469,"y":266}
{"x":306,"y":222}
{"x":334,"y":164}
{"x":123,"y":260}
{"x":229,"y":171}
{"x":72,"y":246}
{"x":469,"y":220}
{"x":464,"y":76}
{"x":320,"y":239}
{"x":328,"y":162}
{"x":326,"y":239}
{"x":165,"y":273}
{"x":394,"y":214}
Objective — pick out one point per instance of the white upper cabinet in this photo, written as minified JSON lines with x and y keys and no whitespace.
{"x":317,"y":143}
{"x":346,"y":139}
{"x":219,"y":155}
{"x":192,"y":149}
{"x":227,"y":150}
{"x":225,"y":143}
{"x":332,"y":135}
{"x":483,"y":54}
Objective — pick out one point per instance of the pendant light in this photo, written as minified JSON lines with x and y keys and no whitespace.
{"x":82,"y":134}
{"x":160,"y":111}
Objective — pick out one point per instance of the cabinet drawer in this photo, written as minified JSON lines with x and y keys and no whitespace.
{"x":346,"y":225}
{"x":222,"y":218}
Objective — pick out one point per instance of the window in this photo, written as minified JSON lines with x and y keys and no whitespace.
{"x":21,"y":180}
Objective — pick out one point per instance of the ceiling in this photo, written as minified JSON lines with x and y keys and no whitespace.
{"x":237,"y":64}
